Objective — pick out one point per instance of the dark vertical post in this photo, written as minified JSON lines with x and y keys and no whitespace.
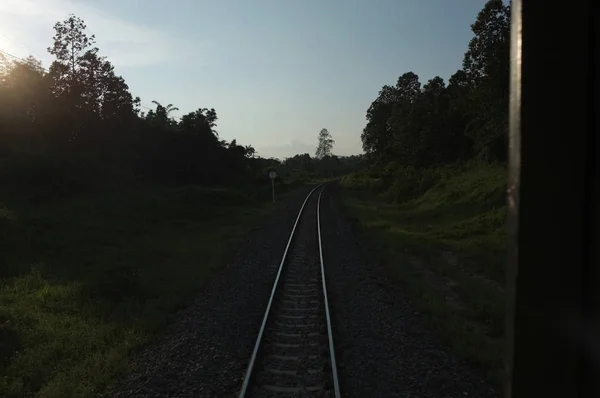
{"x":553,"y":280}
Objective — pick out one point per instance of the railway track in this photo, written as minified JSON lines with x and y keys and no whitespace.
{"x":293,"y":355}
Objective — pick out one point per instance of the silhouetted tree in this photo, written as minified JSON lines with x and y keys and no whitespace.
{"x":486,"y":64}
{"x":79,"y":123}
{"x":325,"y":144}
{"x":413,"y":126}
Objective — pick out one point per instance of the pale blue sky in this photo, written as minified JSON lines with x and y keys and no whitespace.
{"x":276,"y":71}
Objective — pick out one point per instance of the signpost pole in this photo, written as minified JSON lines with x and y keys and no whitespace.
{"x":272,"y":176}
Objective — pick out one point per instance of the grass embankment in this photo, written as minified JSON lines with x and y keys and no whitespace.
{"x":446,"y":247}
{"x":84,"y":283}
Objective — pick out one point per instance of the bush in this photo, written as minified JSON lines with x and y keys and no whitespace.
{"x":191,"y":194}
{"x":399,"y":184}
{"x":362,"y":182}
{"x":53,"y":176}
{"x":301,"y":176}
{"x":404,"y":185}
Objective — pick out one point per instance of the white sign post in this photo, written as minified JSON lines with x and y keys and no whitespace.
{"x":272,"y":176}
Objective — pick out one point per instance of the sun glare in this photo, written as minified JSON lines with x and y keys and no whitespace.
{"x":8,"y":46}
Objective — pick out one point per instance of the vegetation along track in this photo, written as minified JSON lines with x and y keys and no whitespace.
{"x":293,"y":355}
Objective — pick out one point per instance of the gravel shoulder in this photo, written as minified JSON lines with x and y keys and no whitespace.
{"x":206,"y":351}
{"x":383,"y":345}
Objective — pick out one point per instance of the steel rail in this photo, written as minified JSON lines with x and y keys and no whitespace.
{"x":259,"y":338}
{"x":336,"y":384}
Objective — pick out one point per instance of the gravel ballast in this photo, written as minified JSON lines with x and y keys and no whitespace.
{"x":206,"y":351}
{"x":383,"y":346}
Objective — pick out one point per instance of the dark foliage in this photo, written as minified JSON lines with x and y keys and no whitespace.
{"x":76,"y":129}
{"x":411,"y":125}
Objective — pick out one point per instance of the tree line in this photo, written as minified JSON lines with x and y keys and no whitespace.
{"x":411,"y":127}
{"x":76,"y":128}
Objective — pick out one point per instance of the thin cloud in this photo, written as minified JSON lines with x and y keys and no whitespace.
{"x":26,"y":27}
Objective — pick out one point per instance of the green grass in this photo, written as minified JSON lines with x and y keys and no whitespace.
{"x":447,"y":249}
{"x":86,"y":283}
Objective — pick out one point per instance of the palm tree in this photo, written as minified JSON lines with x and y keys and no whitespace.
{"x":162,"y":113}
{"x":249,"y":151}
{"x":159,"y":108}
